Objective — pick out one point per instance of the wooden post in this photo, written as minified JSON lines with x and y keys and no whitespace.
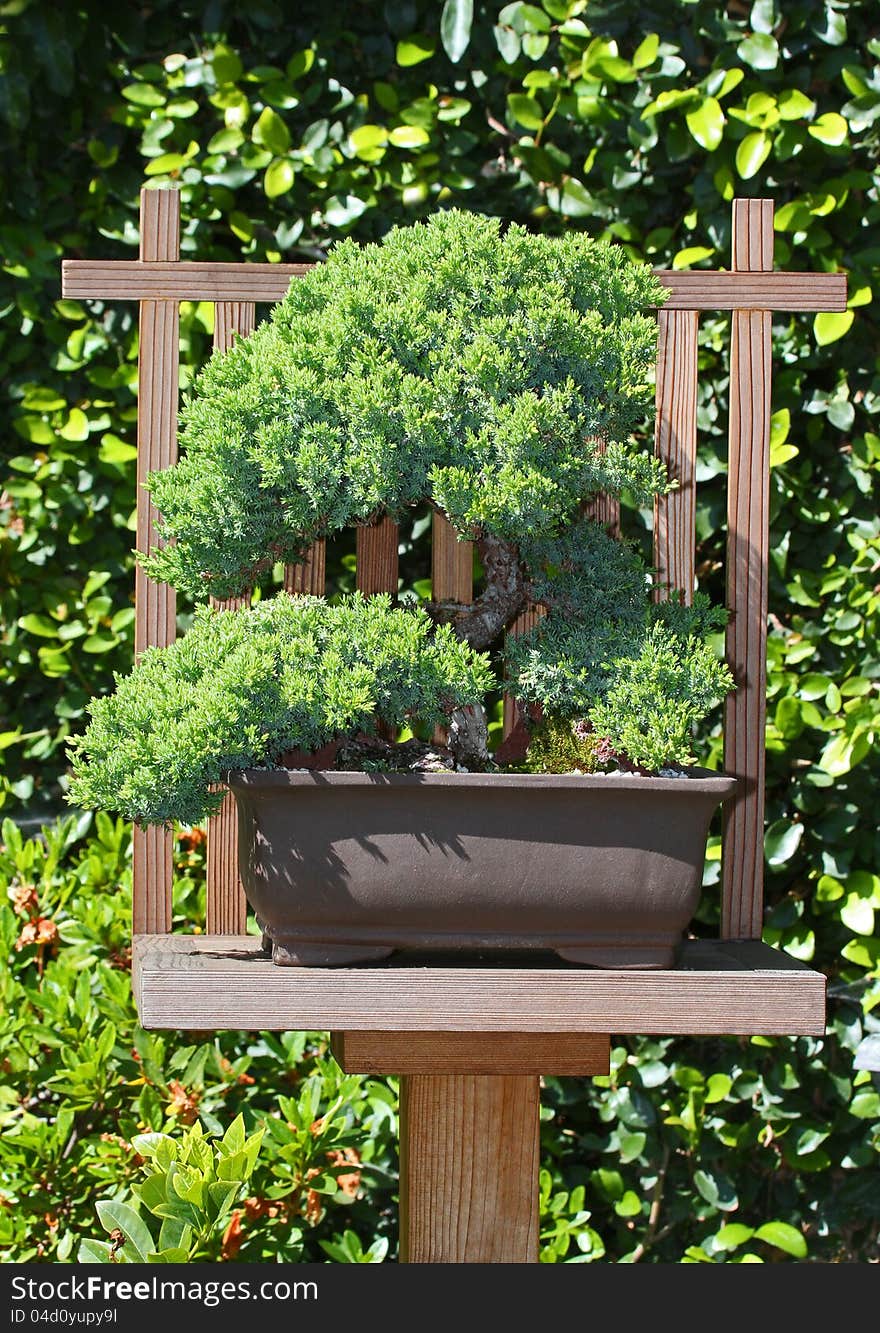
{"x":308,"y":577}
{"x":452,"y":563}
{"x":748,"y":545}
{"x":155,"y":603}
{"x":376,"y":557}
{"x":675,"y":438}
{"x":225,"y":901}
{"x":469,"y":1169}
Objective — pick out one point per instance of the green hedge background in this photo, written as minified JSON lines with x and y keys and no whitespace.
{"x":286,"y":127}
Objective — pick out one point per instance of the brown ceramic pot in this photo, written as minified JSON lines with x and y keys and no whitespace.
{"x":348,"y":867}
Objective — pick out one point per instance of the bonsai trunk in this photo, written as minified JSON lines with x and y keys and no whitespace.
{"x":480,"y":622}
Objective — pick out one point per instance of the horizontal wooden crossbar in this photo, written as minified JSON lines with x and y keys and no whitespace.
{"x":582,"y":1054}
{"x":130,"y":280}
{"x":204,"y":982}
{"x":701,"y":289}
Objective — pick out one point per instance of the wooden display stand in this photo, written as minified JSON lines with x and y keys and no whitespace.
{"x":471,"y":1041}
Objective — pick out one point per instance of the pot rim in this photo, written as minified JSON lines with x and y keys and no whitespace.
{"x":699,"y":780}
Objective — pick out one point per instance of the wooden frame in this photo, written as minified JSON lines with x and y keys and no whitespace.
{"x":470,"y":1041}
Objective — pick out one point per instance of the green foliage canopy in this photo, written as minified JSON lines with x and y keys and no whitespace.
{"x":450,"y":363}
{"x":242,"y":687}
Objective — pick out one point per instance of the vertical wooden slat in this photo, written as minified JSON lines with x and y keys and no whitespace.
{"x":452,"y":564}
{"x":232,"y":318}
{"x":675,"y":441}
{"x":513,"y":709}
{"x":452,"y":575}
{"x":376,"y":570}
{"x":155,"y":605}
{"x":748,"y":543}
{"x":377,"y":560}
{"x":469,"y":1169}
{"x":602,"y":508}
{"x":226,"y":905}
{"x":310,"y":575}
{"x":605,"y":509}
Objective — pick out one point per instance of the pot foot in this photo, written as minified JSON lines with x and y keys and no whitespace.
{"x":623,"y":957}
{"x":290,"y":953}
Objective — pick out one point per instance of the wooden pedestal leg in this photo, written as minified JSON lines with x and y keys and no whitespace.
{"x":469,"y":1169}
{"x":469,"y":1113}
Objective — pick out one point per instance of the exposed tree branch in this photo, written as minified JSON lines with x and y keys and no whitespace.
{"x":480,"y":622}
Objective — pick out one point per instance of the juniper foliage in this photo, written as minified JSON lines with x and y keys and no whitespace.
{"x":454,"y":362}
{"x":644,"y":673}
{"x":242,"y":687}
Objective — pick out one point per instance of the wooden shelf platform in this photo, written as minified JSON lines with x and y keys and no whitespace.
{"x":719,"y":986}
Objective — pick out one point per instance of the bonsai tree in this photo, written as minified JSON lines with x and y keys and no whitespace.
{"x":497,"y":375}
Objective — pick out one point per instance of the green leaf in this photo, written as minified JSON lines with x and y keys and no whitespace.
{"x":526,"y":110}
{"x":717,"y":1088}
{"x":94,"y":1252}
{"x":781,"y":841}
{"x":783,"y":1237}
{"x":34,"y":429}
{"x":792,"y":104}
{"x":76,"y":427}
{"x":152,"y":1193}
{"x":227,"y":65}
{"x":646,"y":52}
{"x":669,"y":98}
{"x":233,"y":1139}
{"x":174,"y":1233}
{"x":837,"y":757}
{"x":706,"y":124}
{"x":38,"y":399}
{"x":629,"y":1206}
{"x":455,"y":27}
{"x":524,"y":17}
{"x":723,"y":81}
{"x":409,"y":136}
{"x":857,"y":915}
{"x":829,"y":326}
{"x":788,"y":719}
{"x":752,"y":153}
{"x":279,"y":177}
{"x":763,"y":17}
{"x":116,"y":1216}
{"x":114,"y":450}
{"x":780,"y":425}
{"x":369,"y":141}
{"x":866,"y":885}
{"x":99,"y":643}
{"x":271,"y":131}
{"x":693,"y":254}
{"x":782,"y":453}
{"x":414,"y":49}
{"x":732,"y":1235}
{"x":576,"y":200}
{"x":166,"y":163}
{"x":716,"y":1189}
{"x":143,"y":94}
{"x":829,"y":129}
{"x":761,"y":51}
{"x":300,"y":64}
{"x":340,"y":211}
{"x":833,"y":31}
{"x":40,"y":625}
